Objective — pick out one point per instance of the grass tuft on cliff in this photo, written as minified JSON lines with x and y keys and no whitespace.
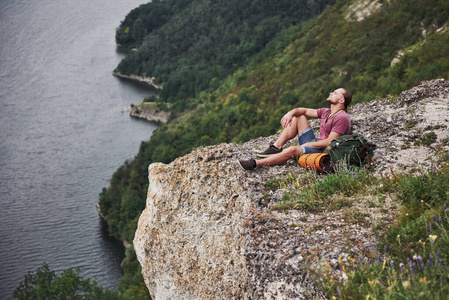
{"x":411,"y":258}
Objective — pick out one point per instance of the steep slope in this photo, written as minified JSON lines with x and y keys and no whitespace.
{"x":209,"y":232}
{"x":374,"y":52}
{"x":190,"y":45}
{"x":297,"y":68}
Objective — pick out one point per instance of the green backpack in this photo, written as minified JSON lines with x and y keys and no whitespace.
{"x":352,"y":149}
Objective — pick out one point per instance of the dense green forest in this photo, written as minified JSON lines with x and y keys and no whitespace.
{"x":190,"y":46}
{"x":230,"y":70}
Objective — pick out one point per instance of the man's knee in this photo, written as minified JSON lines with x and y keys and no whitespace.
{"x":301,"y":123}
{"x":293,"y":151}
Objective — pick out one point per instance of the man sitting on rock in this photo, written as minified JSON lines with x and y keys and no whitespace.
{"x":334,"y":123}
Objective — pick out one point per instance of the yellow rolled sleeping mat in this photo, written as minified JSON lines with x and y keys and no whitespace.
{"x":315,"y":161}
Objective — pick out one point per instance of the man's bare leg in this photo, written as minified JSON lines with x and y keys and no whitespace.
{"x":298,"y":125}
{"x":280,"y":158}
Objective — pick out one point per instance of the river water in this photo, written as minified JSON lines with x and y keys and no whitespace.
{"x":62,"y":135}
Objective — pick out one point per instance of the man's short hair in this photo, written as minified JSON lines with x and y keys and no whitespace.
{"x":348,"y":98}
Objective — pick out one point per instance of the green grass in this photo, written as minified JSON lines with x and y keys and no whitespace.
{"x":315,"y":192}
{"x":411,"y":257}
{"x":410,"y":260}
{"x":410,"y":263}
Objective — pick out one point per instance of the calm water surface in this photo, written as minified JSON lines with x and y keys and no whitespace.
{"x":62,"y":135}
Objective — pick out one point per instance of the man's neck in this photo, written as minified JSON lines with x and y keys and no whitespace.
{"x":335,"y":108}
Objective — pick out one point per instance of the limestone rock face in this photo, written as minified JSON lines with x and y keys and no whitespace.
{"x":150,"y":112}
{"x":208,"y":232}
{"x":198,"y":236}
{"x":402,"y":128}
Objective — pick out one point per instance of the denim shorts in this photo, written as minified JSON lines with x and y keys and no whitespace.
{"x":308,"y":136}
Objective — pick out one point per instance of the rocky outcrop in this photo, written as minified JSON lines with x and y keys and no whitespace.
{"x":408,"y":130}
{"x":208,"y":230}
{"x":149,"y":112}
{"x":147,"y":81}
{"x":361,"y":9}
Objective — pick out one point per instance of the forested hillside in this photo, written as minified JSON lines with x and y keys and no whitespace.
{"x":190,"y":46}
{"x":299,"y":65}
{"x":231,"y":69}
{"x":169,"y":37}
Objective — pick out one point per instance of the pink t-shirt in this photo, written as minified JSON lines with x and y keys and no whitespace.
{"x":339,"y":123}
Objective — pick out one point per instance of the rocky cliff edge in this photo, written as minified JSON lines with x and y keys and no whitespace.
{"x":208,"y":230}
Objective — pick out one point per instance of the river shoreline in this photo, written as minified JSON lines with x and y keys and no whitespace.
{"x":148,"y":111}
{"x":146,"y":81}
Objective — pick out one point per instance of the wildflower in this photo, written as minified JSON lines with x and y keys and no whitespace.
{"x":379,"y":257}
{"x":370,"y":261}
{"x":423,"y":280}
{"x":430,"y":228}
{"x":409,"y":262}
{"x":401,"y":265}
{"x":439,"y":258}
{"x":406,"y":284}
{"x":419,"y":259}
{"x":421,"y":263}
{"x":439,"y":219}
{"x":432,"y":238}
{"x":392,"y":264}
{"x":434,"y":219}
{"x":444,"y":207}
{"x":385,"y":249}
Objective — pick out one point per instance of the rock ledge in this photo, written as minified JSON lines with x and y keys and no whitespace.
{"x":207,"y":231}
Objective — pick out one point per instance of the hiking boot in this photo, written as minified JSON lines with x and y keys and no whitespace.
{"x":248,"y":164}
{"x":272,"y":149}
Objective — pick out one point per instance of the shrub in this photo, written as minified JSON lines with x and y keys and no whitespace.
{"x":45,"y":284}
{"x":411,"y":259}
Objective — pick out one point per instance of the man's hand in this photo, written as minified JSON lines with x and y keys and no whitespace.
{"x":296,"y":112}
{"x":287,"y":119}
{"x":309,"y":144}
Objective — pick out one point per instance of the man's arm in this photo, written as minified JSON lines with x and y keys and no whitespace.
{"x":296,"y":112}
{"x":323,"y":143}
